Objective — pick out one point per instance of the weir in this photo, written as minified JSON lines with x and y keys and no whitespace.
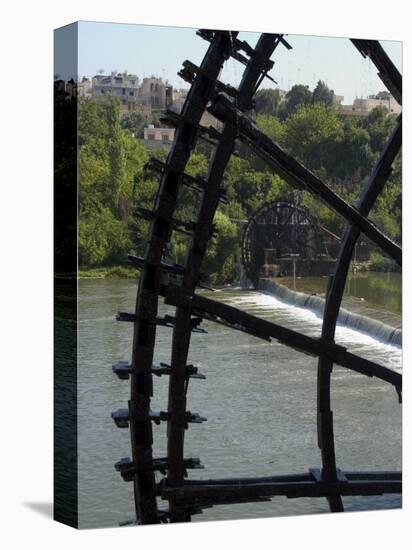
{"x":346,"y":318}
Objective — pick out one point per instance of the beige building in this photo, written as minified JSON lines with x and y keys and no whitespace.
{"x":85,"y":87}
{"x":363,"y":106}
{"x":155,"y":93}
{"x":179,"y":97}
{"x":155,"y":138}
{"x":337,"y":99}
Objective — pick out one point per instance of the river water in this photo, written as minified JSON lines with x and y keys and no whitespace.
{"x":259,"y":399}
{"x":375,"y":290}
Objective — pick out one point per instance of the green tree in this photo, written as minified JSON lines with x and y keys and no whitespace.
{"x":312,"y":134}
{"x":222,"y":253}
{"x":271,"y":126}
{"x":387,"y":211}
{"x":322,"y":94}
{"x":112,"y":179}
{"x":353,"y":157}
{"x":103,"y":239}
{"x":111,"y":182}
{"x":134,"y":157}
{"x":267,"y":101}
{"x":298,"y":96}
{"x":379,"y":126}
{"x":135,"y":122}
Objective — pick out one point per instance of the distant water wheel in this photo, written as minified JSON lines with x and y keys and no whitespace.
{"x":276,"y":230}
{"x":177,"y":284}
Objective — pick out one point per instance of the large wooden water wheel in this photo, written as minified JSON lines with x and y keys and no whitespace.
{"x":188,"y":496}
{"x":279,"y":229}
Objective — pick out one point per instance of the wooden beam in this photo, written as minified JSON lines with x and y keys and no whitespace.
{"x":151,"y":277}
{"x":218,"y":493}
{"x":334,"y":296}
{"x":197,"y":250}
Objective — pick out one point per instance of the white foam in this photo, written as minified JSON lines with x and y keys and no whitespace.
{"x":291,"y":316}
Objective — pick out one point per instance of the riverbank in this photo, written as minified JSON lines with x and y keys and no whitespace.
{"x":113,"y":272}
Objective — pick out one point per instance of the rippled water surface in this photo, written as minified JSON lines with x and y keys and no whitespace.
{"x":259,"y":399}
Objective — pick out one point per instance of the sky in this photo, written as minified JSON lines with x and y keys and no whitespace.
{"x":160,"y":51}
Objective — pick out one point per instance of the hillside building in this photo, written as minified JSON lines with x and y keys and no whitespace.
{"x":122,"y":85}
{"x":155,"y":138}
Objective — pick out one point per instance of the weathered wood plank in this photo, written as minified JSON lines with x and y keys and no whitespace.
{"x":220,"y":493}
{"x":151,"y":277}
{"x":312,"y":475}
{"x":201,"y":235}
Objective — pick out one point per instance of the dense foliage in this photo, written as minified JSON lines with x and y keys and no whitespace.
{"x":113,"y":181}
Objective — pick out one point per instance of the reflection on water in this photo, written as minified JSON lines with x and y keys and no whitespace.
{"x":376,"y":290}
{"x":259,"y":398}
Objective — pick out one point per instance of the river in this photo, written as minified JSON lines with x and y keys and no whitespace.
{"x":259,"y":399}
{"x":381,"y":291}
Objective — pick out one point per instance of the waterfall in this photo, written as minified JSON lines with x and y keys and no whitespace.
{"x":316,"y":304}
{"x":244,"y":281}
